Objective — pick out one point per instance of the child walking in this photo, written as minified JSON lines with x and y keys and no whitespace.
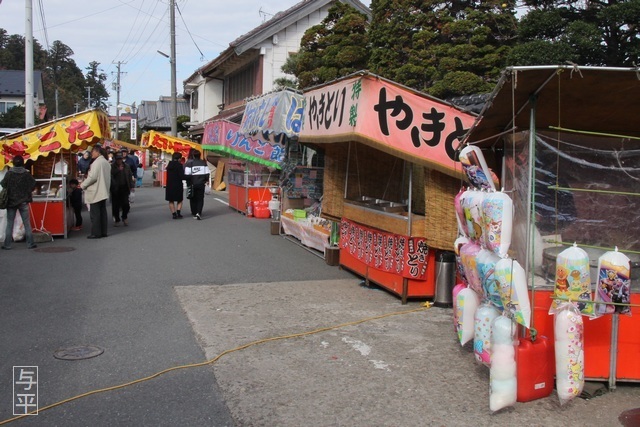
{"x":75,"y":200}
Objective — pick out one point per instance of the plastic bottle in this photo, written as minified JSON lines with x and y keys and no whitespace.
{"x":250,"y":208}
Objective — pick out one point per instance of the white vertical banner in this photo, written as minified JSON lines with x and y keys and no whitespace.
{"x":134,"y":129}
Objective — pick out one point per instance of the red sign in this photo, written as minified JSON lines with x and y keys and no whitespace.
{"x":392,"y":253}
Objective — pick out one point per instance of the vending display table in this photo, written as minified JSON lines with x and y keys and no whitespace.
{"x":313,"y":237}
{"x":49,"y":210}
{"x":243,"y":187}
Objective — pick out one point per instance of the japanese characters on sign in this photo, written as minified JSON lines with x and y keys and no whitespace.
{"x":73,"y":131}
{"x":392,"y":253}
{"x":168,"y":144}
{"x":224,"y":136}
{"x":273,"y":117}
{"x":25,"y":390}
{"x":391,"y":117}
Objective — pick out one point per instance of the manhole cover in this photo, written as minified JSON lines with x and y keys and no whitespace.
{"x":630,"y":418}
{"x":55,"y":249}
{"x":78,"y":353}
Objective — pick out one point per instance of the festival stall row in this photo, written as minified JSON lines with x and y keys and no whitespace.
{"x":390,"y":172}
{"x":165,"y":144}
{"x":50,"y":152}
{"x":549,"y":256}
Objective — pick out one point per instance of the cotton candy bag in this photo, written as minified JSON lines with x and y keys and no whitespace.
{"x":513,"y":290}
{"x":503,"y":372}
{"x":484,"y":317}
{"x":486,"y":263}
{"x":497,"y":213}
{"x":614,"y":285}
{"x":573,"y":281}
{"x":468,"y":253}
{"x":568,"y":330}
{"x":467,"y":303}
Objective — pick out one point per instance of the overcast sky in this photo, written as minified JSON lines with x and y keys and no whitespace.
{"x":132,"y":31}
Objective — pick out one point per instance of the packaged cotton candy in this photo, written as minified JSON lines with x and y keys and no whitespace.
{"x":486,"y":263}
{"x":475,"y":167}
{"x":497,"y":212}
{"x":462,"y":222}
{"x":468,"y":253}
{"x":573,"y":281}
{"x":485,"y":315}
{"x":569,"y":351}
{"x":614,"y":284}
{"x":472,"y":208}
{"x":467,"y":303}
{"x":513,"y":290}
{"x":503,"y":372}
{"x":460,"y":241}
{"x":456,"y":290}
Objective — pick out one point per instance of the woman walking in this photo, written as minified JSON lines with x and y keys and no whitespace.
{"x":174,"y":190}
{"x":19,"y":184}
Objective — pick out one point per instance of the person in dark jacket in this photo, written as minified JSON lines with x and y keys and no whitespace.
{"x":19,"y":184}
{"x":121,"y":185}
{"x":132,"y":161}
{"x":75,"y":201}
{"x":196,"y":173}
{"x":84,"y":162}
{"x":174,"y":191}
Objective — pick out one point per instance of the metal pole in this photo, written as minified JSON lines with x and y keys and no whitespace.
{"x":118,"y":102}
{"x":529,"y":255}
{"x":174,"y":95}
{"x":29,"y":111}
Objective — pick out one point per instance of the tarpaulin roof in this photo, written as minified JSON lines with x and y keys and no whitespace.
{"x":223,"y":136}
{"x":169,"y":144}
{"x":74,"y":132}
{"x":587,"y":99}
{"x":123,"y":144}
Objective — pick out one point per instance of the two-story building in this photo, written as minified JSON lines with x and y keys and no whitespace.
{"x":12,"y":91}
{"x":251,"y":64}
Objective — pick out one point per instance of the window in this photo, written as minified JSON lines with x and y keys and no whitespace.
{"x":194,"y":100}
{"x":241,"y":84}
{"x":6,"y":106}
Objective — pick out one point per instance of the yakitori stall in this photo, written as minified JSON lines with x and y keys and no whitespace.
{"x":566,"y":144}
{"x":50,"y":151}
{"x":390,"y":171}
{"x":252,"y":167}
{"x":162,"y":143}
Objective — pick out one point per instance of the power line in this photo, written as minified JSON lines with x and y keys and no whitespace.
{"x":189,"y":32}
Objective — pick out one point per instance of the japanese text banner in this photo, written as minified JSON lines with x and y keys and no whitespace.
{"x":168,"y":144}
{"x":391,"y":253}
{"x":223,"y":136}
{"x":68,"y":133}
{"x":273,"y":117}
{"x":388,"y":117}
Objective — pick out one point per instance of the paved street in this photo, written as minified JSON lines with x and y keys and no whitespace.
{"x":163,"y":293}
{"x":118,"y":293}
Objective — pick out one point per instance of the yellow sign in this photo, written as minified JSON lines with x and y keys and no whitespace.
{"x":168,"y":144}
{"x":74,"y":132}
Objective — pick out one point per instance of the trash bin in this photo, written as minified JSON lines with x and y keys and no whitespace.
{"x":445,"y":278}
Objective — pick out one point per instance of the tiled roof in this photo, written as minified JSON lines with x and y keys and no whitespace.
{"x":473,"y":103}
{"x":12,"y":82}
{"x":157,"y":114}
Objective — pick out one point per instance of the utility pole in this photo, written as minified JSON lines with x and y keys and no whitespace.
{"x":29,"y":111}
{"x":88,"y":88}
{"x":118,"y":99}
{"x":174,"y":95}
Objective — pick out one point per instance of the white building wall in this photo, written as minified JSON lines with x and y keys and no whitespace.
{"x":288,"y":41}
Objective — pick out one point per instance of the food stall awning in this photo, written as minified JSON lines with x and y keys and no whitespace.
{"x":169,"y":144}
{"x":123,"y":144}
{"x":74,"y":132}
{"x":223,"y":136}
{"x":599,"y":100}
{"x":273,"y":117}
{"x":387,"y":116}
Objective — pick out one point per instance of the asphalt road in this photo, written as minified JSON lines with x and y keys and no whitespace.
{"x":118,"y":293}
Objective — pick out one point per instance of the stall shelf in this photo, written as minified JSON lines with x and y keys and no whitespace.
{"x":49,"y":210}
{"x":242,"y":186}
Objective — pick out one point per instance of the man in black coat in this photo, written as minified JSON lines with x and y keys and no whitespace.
{"x":121,"y":185}
{"x":19,"y":184}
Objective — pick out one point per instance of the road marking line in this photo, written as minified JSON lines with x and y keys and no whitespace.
{"x":221,"y":201}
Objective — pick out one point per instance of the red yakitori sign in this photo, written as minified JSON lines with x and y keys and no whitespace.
{"x":392,"y":253}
